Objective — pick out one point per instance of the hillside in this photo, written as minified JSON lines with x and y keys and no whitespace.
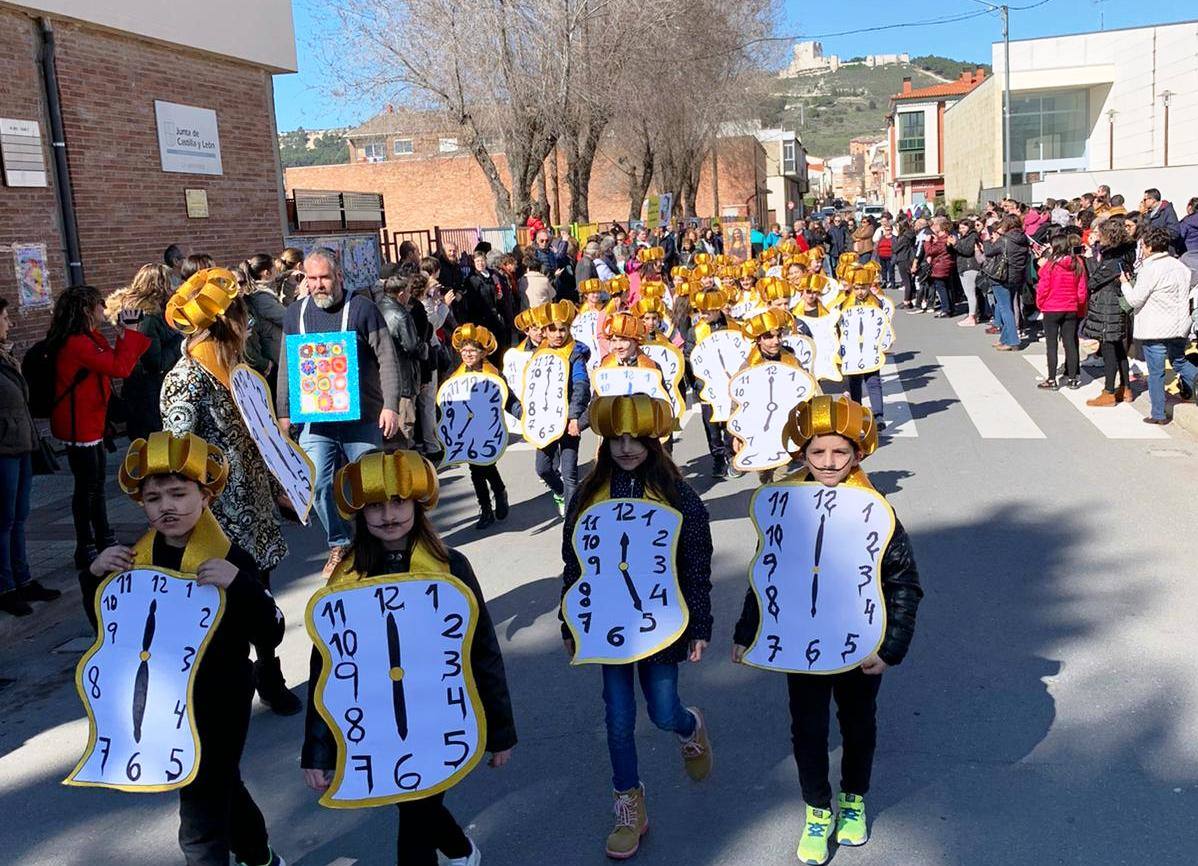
{"x":828,"y":110}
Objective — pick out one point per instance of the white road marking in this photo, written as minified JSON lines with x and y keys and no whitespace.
{"x":1114,"y":422}
{"x":991,"y":408}
{"x":344,"y":861}
{"x":687,"y":415}
{"x":899,"y":421}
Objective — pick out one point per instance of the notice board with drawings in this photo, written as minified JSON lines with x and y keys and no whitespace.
{"x":358,"y":254}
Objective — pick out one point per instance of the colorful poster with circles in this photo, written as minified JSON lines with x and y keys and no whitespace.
{"x":323,"y":377}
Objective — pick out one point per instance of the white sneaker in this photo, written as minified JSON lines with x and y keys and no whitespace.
{"x":474,"y":858}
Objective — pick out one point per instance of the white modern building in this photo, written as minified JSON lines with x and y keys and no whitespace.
{"x":1115,"y":107}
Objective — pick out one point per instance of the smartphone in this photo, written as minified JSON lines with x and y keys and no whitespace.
{"x":1079,"y":250}
{"x":129,"y":318}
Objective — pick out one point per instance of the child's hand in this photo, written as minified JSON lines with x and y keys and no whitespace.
{"x":216,"y":572}
{"x":115,"y":558}
{"x":498,"y":759}
{"x":873,"y":666}
{"x":696,"y":650}
{"x":738,"y":653}
{"x":318,"y":780}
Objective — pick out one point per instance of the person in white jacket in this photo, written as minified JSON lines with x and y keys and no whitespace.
{"x":1160,"y":299}
{"x":535,"y":287}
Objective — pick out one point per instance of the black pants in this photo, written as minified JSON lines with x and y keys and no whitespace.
{"x":480,"y":476}
{"x":719,"y":440}
{"x":1114,"y":360}
{"x":426,"y":827}
{"x":557,"y":464}
{"x":89,"y":466}
{"x":217,"y":815}
{"x":1064,"y":324}
{"x":870,"y":382}
{"x":856,"y":705}
{"x":903,"y":269}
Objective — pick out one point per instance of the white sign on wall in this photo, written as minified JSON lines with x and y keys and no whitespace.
{"x":188,"y":140}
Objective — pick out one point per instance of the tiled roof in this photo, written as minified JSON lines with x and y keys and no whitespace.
{"x":967,"y":82}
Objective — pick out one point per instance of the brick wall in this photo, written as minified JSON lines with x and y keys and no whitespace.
{"x":128,"y":209}
{"x":451,"y":191}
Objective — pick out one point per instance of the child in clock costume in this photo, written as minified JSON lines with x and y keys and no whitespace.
{"x":557,"y":392}
{"x":865,"y":334}
{"x":710,"y":307}
{"x":407,"y":688}
{"x":474,"y":344}
{"x":174,"y":478}
{"x":636,"y":593}
{"x":836,"y":576}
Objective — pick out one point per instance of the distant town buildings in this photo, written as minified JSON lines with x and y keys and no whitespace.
{"x":809,"y":59}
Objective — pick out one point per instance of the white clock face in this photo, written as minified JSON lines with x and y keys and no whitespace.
{"x":472,"y":428}
{"x":817,"y":576}
{"x":764,"y":395}
{"x":715,"y":360}
{"x":804,"y":349}
{"x":136,"y":682}
{"x":627,"y":605}
{"x":863,"y":331}
{"x":545,"y":398}
{"x":515,"y":361}
{"x":827,"y":343}
{"x":673,"y":366}
{"x":830,"y":293}
{"x":620,"y":381}
{"x":585,"y":329}
{"x":397,"y":688}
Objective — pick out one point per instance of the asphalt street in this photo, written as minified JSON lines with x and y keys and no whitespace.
{"x":1047,"y":712}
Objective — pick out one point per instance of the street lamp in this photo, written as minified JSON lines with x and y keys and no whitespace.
{"x":1005,"y":12}
{"x":1165,"y":94}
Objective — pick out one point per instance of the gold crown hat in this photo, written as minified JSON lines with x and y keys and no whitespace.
{"x":770,"y":254}
{"x":680,"y":272}
{"x":377,"y":477}
{"x":816,"y":252}
{"x":728,"y":272}
{"x":637,"y":415}
{"x":842,"y":264}
{"x":797,"y":260}
{"x":166,"y":454}
{"x":653,"y":289}
{"x":786,"y":246}
{"x":709,"y":300}
{"x":701,"y":270}
{"x":647,"y":305}
{"x":553,"y":312}
{"x":704,"y":258}
{"x":767,"y":321}
{"x":748,"y":268}
{"x":198,"y":303}
{"x":617,"y":285}
{"x":813,"y":283}
{"x":474,"y":334}
{"x":861,"y":276}
{"x":593,"y":284}
{"x":725,"y":261}
{"x":625,"y":325}
{"x":824,"y":414}
{"x":774,"y":289}
{"x":523,"y":321}
{"x":650,"y":254}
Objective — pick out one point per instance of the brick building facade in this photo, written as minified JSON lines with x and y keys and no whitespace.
{"x":127,"y":209}
{"x":427,"y":178}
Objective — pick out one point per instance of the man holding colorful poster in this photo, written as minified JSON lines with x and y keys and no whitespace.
{"x":338,"y":378}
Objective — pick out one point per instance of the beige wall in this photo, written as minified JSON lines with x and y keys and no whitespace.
{"x":259,"y":31}
{"x":973,"y":143}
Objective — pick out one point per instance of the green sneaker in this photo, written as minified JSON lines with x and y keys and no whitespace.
{"x":850,"y":821}
{"x":560,"y":502}
{"x":813,"y":845}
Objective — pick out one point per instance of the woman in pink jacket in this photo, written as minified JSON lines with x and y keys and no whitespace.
{"x":1061,"y":297}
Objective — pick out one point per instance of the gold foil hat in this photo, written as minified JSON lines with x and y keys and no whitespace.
{"x":554,"y":312}
{"x":650,"y":254}
{"x":624,"y":325}
{"x":637,"y":415}
{"x":588,"y":286}
{"x":617,"y":285}
{"x":475,"y":334}
{"x":197,"y":303}
{"x":166,"y":454}
{"x":774,"y":289}
{"x":653,"y":289}
{"x":650,"y":305}
{"x":766,"y":321}
{"x":378,"y":477}
{"x":824,"y":414}
{"x":708,"y":300}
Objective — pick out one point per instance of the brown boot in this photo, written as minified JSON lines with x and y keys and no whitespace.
{"x":1124,"y":395}
{"x":632,"y":822}
{"x":1106,"y":398}
{"x":696,"y":750}
{"x":336,"y":554}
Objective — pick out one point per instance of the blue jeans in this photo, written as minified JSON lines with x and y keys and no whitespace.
{"x":1155,"y":353}
{"x":872,"y":383}
{"x":659,"y":685}
{"x":1004,"y":315}
{"x":331,"y":446}
{"x":944,"y":294}
{"x":16,"y":485}
{"x":887,"y":271}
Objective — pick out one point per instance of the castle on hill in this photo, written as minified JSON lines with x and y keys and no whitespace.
{"x":809,"y":59}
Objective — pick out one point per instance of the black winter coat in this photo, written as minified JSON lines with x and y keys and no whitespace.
{"x":963,"y":251}
{"x":1106,"y":320}
{"x":409,"y":348}
{"x":900,"y":589}
{"x":320,"y":748}
{"x":902,"y":249}
{"x":693,"y":561}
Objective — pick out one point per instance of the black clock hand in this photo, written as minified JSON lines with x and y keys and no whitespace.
{"x":819,"y":549}
{"x":771,"y":406}
{"x":636,"y":598}
{"x":399,"y":702}
{"x":141,"y":682}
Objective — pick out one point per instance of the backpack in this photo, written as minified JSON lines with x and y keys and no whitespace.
{"x":39,"y":367}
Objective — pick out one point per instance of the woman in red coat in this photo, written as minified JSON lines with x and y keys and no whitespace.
{"x":1061,"y":296}
{"x":85,"y":365}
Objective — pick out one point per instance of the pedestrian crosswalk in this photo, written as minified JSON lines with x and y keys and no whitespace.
{"x":1114,"y":422}
{"x":993,"y":410}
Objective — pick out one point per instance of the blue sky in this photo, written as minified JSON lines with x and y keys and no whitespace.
{"x":300,"y":100}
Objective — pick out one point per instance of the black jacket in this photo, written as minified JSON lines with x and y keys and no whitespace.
{"x":1106,"y":319}
{"x":142,"y":388}
{"x":268,"y":313}
{"x":838,"y":241}
{"x":902,"y":248}
{"x":1014,"y":246}
{"x":693,"y":561}
{"x":900,"y":589}
{"x":963,"y":251}
{"x":320,"y":747}
{"x":478,"y":304}
{"x":579,"y":388}
{"x":410,"y":350}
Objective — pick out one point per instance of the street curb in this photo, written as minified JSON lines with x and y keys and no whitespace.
{"x":1185,"y":416}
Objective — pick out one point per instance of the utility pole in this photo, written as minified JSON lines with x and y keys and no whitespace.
{"x":1165,"y":94}
{"x":1110,"y":118}
{"x":1006,"y":38}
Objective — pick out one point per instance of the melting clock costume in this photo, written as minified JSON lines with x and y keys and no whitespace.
{"x":426,"y":825}
{"x":870,"y":382}
{"x":719,"y":440}
{"x":854,"y":691}
{"x":217,"y":815}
